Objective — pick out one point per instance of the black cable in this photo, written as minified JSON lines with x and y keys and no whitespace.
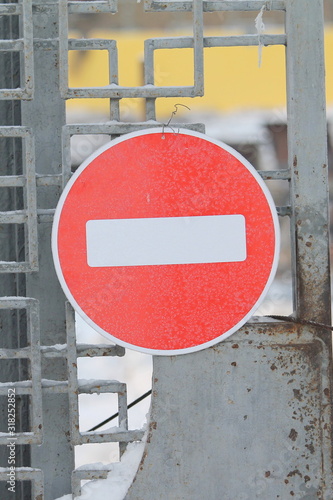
{"x":136,"y":401}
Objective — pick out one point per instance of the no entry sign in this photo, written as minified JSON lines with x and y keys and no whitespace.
{"x":165,"y":242}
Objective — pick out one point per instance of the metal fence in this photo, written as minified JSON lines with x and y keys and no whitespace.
{"x":215,"y":436}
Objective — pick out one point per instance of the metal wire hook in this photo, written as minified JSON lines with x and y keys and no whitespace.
{"x":164,"y":125}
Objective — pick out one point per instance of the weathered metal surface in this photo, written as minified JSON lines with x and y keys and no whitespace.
{"x":32,"y":353}
{"x":248,"y":418}
{"x":115,"y":91}
{"x":25,"y":46}
{"x":76,"y":387}
{"x":252,"y":417}
{"x":244,"y":419}
{"x":45,"y":115}
{"x":27,"y":474}
{"x":14,"y":321}
{"x":26,"y":216}
{"x":307,"y":155}
{"x":211,"y":6}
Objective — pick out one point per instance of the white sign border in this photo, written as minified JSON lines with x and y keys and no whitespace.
{"x":54,"y":242}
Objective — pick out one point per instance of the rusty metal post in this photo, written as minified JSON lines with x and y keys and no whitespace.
{"x":307,"y":150}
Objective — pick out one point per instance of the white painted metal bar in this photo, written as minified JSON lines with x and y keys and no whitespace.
{"x":211,"y":6}
{"x":198,"y":46}
{"x":11,"y":45}
{"x":10,"y":9}
{"x":92,"y":6}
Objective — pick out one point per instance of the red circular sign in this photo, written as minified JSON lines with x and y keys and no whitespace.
{"x":165,"y":242}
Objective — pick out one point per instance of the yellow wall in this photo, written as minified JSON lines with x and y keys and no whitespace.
{"x":233,"y":79}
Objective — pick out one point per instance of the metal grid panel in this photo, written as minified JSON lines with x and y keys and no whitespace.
{"x":149,"y":90}
{"x":27,"y":474}
{"x":76,"y":387}
{"x":92,"y":44}
{"x":108,"y":129}
{"x":22,"y":45}
{"x":79,"y":475}
{"x":28,"y":216}
{"x":31,"y":387}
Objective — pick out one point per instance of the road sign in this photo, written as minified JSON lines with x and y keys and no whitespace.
{"x":165,"y":241}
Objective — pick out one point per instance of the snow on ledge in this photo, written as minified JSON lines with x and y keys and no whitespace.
{"x":119,"y":478}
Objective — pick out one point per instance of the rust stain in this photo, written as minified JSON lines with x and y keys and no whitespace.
{"x":273,"y":367}
{"x":310,"y":447}
{"x":267,"y":473}
{"x":295,"y":161}
{"x":293,"y":435}
{"x":235,"y":346}
{"x":297,"y":394}
{"x":294,"y":473}
{"x":142,"y":461}
{"x":152,"y":425}
{"x":233,"y":363}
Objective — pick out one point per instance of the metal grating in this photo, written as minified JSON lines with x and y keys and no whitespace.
{"x":35,"y":476}
{"x":76,"y":387}
{"x":27,"y":216}
{"x":149,"y":90}
{"x":310,"y":269}
{"x":24,"y":46}
{"x":32,"y":387}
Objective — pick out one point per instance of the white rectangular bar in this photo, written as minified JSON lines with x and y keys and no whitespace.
{"x":166,"y":240}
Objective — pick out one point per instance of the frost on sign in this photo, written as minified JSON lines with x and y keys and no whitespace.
{"x":165,"y":242}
